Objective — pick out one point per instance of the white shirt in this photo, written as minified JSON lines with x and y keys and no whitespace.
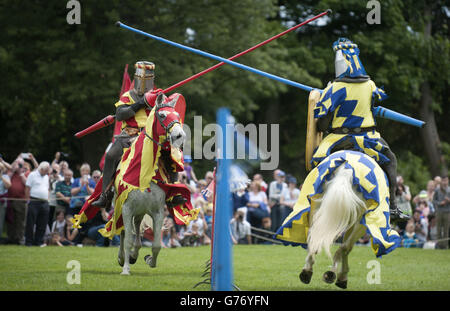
{"x":3,"y":189}
{"x":259,"y":197}
{"x":240,"y":229}
{"x":290,"y":197}
{"x":275,"y":190}
{"x":38,"y":185}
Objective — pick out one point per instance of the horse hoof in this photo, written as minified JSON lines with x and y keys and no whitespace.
{"x":329,"y":277}
{"x":132,"y":260}
{"x":120,"y":261}
{"x":125,"y":272}
{"x":150,"y":261}
{"x":341,"y":284}
{"x":305,"y":276}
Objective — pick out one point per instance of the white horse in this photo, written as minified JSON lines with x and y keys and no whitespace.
{"x":140,"y":203}
{"x":339,"y":209}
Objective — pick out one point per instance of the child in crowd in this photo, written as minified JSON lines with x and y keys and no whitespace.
{"x":409,"y":237}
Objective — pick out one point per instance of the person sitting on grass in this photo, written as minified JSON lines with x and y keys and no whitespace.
{"x":409,"y":237}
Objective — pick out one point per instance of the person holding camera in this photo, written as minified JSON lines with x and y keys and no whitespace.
{"x":402,"y":200}
{"x":18,"y":202}
{"x":82,"y":188}
{"x":54,"y":178}
{"x":240,"y":229}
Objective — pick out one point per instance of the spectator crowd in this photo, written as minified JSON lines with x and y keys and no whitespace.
{"x":39,"y":200}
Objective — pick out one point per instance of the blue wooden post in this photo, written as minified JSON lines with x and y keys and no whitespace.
{"x":222,"y":261}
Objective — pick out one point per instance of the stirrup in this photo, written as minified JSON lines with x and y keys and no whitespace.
{"x":397,"y":214}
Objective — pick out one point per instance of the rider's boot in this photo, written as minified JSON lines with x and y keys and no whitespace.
{"x":108,"y":174}
{"x":105,"y":199}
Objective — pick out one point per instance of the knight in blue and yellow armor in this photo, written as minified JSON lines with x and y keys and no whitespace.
{"x":345,"y":112}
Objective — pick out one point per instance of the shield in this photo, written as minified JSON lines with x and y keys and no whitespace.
{"x":313,"y":137}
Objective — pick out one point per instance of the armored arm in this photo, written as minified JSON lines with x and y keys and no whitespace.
{"x":124,"y":112}
{"x":324,"y":122}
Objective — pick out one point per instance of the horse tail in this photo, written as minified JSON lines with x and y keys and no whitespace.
{"x":340,"y":208}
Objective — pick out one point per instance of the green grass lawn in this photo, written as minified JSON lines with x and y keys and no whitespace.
{"x":256,"y":268}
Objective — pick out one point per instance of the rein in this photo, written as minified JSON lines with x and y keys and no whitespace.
{"x":161,"y":122}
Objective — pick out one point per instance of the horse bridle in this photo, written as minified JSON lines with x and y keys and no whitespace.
{"x":161,"y":119}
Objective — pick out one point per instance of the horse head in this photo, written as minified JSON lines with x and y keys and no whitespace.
{"x":170,"y":120}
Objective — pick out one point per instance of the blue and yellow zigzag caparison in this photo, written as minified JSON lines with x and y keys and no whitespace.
{"x":369,"y":179}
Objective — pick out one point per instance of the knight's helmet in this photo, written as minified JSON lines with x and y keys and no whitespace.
{"x":144,"y":77}
{"x":347,"y":62}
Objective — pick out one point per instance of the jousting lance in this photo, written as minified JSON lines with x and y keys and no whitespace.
{"x":379,"y":111}
{"x":111,"y":118}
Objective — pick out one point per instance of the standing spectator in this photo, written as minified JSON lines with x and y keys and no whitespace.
{"x":276,"y":187}
{"x":63,"y":191}
{"x":240,"y":229}
{"x":402,"y":199}
{"x":54,"y":179}
{"x":5,"y":184}
{"x":63,"y":167}
{"x":28,"y":156}
{"x":18,"y":204}
{"x":82,"y":188}
{"x":258,"y":178}
{"x":37,"y":191}
{"x":441,"y":202}
{"x":288,"y":198}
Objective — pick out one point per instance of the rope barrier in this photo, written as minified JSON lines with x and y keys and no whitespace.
{"x":31,"y":199}
{"x":265,"y":238}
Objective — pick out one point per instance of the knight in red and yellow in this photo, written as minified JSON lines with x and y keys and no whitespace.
{"x":132,"y":109}
{"x":151,"y":160}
